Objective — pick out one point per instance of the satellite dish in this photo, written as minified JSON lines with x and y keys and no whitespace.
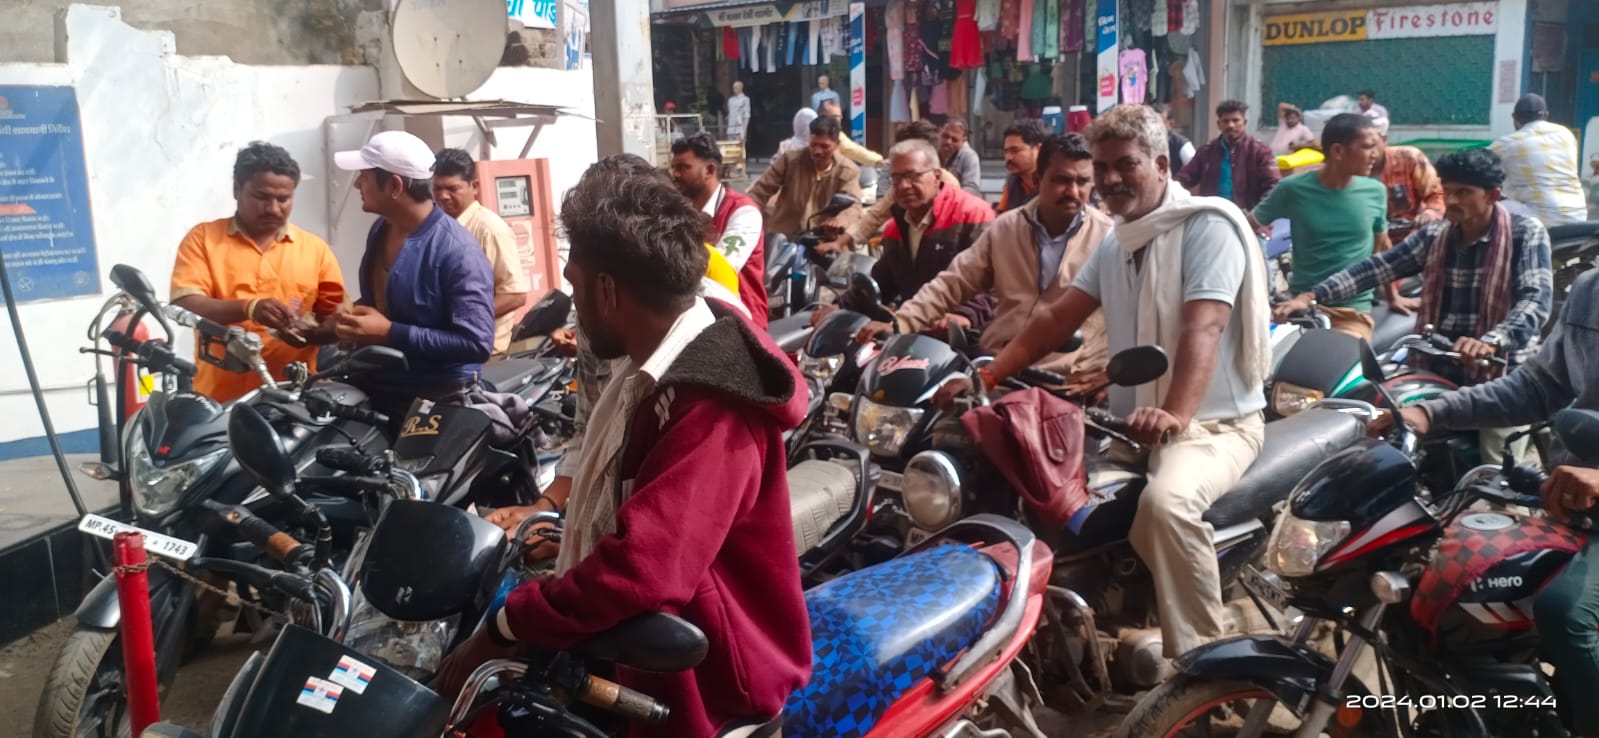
{"x":444,"y":46}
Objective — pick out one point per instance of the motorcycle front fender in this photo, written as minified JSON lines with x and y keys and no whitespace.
{"x":101,"y":610}
{"x":1291,"y":672}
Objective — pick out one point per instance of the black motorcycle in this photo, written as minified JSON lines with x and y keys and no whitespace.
{"x":795,"y":272}
{"x":1438,"y":588}
{"x":179,"y":477}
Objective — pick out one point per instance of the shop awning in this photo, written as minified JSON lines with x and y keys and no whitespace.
{"x":740,"y":13}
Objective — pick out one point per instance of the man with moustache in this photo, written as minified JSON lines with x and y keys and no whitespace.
{"x":1185,"y":273}
{"x":1338,"y":216}
{"x":1235,"y":165}
{"x":736,"y":237}
{"x":1027,"y":258}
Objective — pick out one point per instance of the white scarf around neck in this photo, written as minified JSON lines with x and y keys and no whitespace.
{"x":1160,"y":304}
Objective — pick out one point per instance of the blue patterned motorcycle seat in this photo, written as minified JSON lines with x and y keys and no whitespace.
{"x":877,"y":632}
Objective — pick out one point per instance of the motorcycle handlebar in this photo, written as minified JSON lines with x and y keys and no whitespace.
{"x":1036,"y":376}
{"x":320,"y":404}
{"x":346,"y":485}
{"x":349,"y":460}
{"x":620,"y":700}
{"x":282,"y":547}
{"x":154,"y":355}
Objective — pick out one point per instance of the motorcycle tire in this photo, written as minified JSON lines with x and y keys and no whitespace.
{"x":83,"y":664}
{"x":1184,"y":703}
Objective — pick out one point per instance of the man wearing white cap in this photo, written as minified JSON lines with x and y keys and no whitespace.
{"x":426,"y":287}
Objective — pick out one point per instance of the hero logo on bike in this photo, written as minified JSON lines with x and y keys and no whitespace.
{"x":896,"y":363}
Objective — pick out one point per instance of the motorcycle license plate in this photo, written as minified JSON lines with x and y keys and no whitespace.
{"x":176,"y":549}
{"x":1264,"y":588}
{"x":893,"y":481}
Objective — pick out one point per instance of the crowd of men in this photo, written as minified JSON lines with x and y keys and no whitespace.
{"x":1100,"y":232}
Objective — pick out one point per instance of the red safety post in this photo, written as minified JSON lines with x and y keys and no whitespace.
{"x":138,"y":637}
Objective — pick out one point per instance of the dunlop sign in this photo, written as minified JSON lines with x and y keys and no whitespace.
{"x":1315,"y":28}
{"x":1454,"y":19}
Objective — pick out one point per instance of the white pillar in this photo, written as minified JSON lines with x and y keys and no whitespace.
{"x":1509,"y":48}
{"x":624,"y":85}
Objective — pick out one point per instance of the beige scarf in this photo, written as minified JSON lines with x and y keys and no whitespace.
{"x":1161,"y":286}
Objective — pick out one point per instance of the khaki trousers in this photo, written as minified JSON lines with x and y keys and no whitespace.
{"x":1350,"y":321}
{"x":1169,"y":533}
{"x":1492,"y":443}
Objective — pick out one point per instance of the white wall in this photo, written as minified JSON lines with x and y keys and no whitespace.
{"x":160,"y":135}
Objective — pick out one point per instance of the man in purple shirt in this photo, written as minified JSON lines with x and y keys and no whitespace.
{"x":426,"y":287}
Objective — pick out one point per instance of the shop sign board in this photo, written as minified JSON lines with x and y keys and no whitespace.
{"x":760,"y":15}
{"x":1454,"y":19}
{"x":1107,"y":69}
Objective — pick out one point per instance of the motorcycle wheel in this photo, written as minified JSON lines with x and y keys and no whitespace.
{"x":1186,"y":706}
{"x":84,"y":696}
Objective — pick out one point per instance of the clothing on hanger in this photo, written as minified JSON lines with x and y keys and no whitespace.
{"x":938,"y":100}
{"x":899,"y":106}
{"x":1193,"y":74}
{"x":1141,"y":12}
{"x":959,"y":102}
{"x":932,"y":32}
{"x":1158,"y":22}
{"x":730,"y":42}
{"x":774,"y":36}
{"x":980,"y":87}
{"x":966,"y":50}
{"x":1134,"y":69}
{"x":894,"y":24}
{"x":1010,"y":18}
{"x":814,"y":45}
{"x":1071,"y":26}
{"x":987,"y":15}
{"x":1024,"y":32}
{"x":916,"y":106}
{"x":1046,"y":29}
{"x":1190,"y":17}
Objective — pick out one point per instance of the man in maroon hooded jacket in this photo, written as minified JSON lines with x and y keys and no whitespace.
{"x":680,"y":501}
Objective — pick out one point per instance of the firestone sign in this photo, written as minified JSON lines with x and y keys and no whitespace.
{"x":1455,"y":19}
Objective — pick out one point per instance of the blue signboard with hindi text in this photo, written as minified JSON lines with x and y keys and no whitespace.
{"x":46,"y":226}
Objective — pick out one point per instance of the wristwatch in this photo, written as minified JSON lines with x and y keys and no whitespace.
{"x":1492,"y":338}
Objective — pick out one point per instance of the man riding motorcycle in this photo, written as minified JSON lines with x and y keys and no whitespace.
{"x":1186,"y":273}
{"x":644,"y":531}
{"x":1028,"y":258}
{"x":1486,"y":273}
{"x":1565,"y":372}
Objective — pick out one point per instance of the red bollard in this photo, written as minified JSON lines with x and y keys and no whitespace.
{"x":138,"y":637}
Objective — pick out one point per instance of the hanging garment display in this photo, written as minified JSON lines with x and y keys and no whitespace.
{"x":987,"y":15}
{"x":894,"y":35}
{"x":730,"y":42}
{"x":1038,"y":85}
{"x":1046,"y":29}
{"x":789,"y":43}
{"x":932,"y":32}
{"x":1174,"y":16}
{"x":1193,"y":74}
{"x":945,"y":43}
{"x":916,"y":106}
{"x":980,"y":87}
{"x":1010,"y":17}
{"x":1071,"y":26}
{"x":1135,"y":76}
{"x":774,"y":36}
{"x":1024,"y":33}
{"x":959,"y":102}
{"x":1159,"y":22}
{"x":813,"y":45}
{"x":966,"y":51}
{"x":899,"y":106}
{"x":1141,"y":11}
{"x":938,"y":100}
{"x":1190,"y":17}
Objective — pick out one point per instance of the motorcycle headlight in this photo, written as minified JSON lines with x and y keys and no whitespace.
{"x":932,"y":490}
{"x":820,"y":367}
{"x":884,"y":428}
{"x":413,"y":647}
{"x":1288,"y":398}
{"x":1297,"y":545}
{"x":158,"y":488}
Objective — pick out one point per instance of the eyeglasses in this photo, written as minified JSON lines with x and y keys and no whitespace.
{"x":906,"y":176}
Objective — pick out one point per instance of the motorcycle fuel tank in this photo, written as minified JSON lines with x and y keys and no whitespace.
{"x":908,"y":369}
{"x":1359,"y":484}
{"x":176,"y":425}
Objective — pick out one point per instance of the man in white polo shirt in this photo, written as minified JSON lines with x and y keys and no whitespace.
{"x":1184,"y":273}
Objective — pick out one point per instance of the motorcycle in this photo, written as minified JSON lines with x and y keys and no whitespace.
{"x":1436,"y":588}
{"x":795,"y":273}
{"x":180,"y":478}
{"x":1573,"y":249}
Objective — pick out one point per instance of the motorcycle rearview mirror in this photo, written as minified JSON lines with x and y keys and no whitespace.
{"x":1579,"y":433}
{"x":259,"y":450}
{"x":1137,"y":365}
{"x":838,"y":204}
{"x":957,"y":338}
{"x":545,"y":317}
{"x":864,"y":290}
{"x":132,"y":281}
{"x":375,"y":360}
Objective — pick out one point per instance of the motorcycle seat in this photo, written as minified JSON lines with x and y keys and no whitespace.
{"x":513,"y":374}
{"x":820,"y":492}
{"x":877,"y":632}
{"x":1294,"y":446}
{"x":1389,"y":327}
{"x":790,"y":333}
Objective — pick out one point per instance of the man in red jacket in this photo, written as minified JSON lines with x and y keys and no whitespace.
{"x":679,"y":501}
{"x":736,"y":224}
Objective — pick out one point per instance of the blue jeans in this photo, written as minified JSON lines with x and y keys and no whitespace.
{"x":1567,"y":612}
